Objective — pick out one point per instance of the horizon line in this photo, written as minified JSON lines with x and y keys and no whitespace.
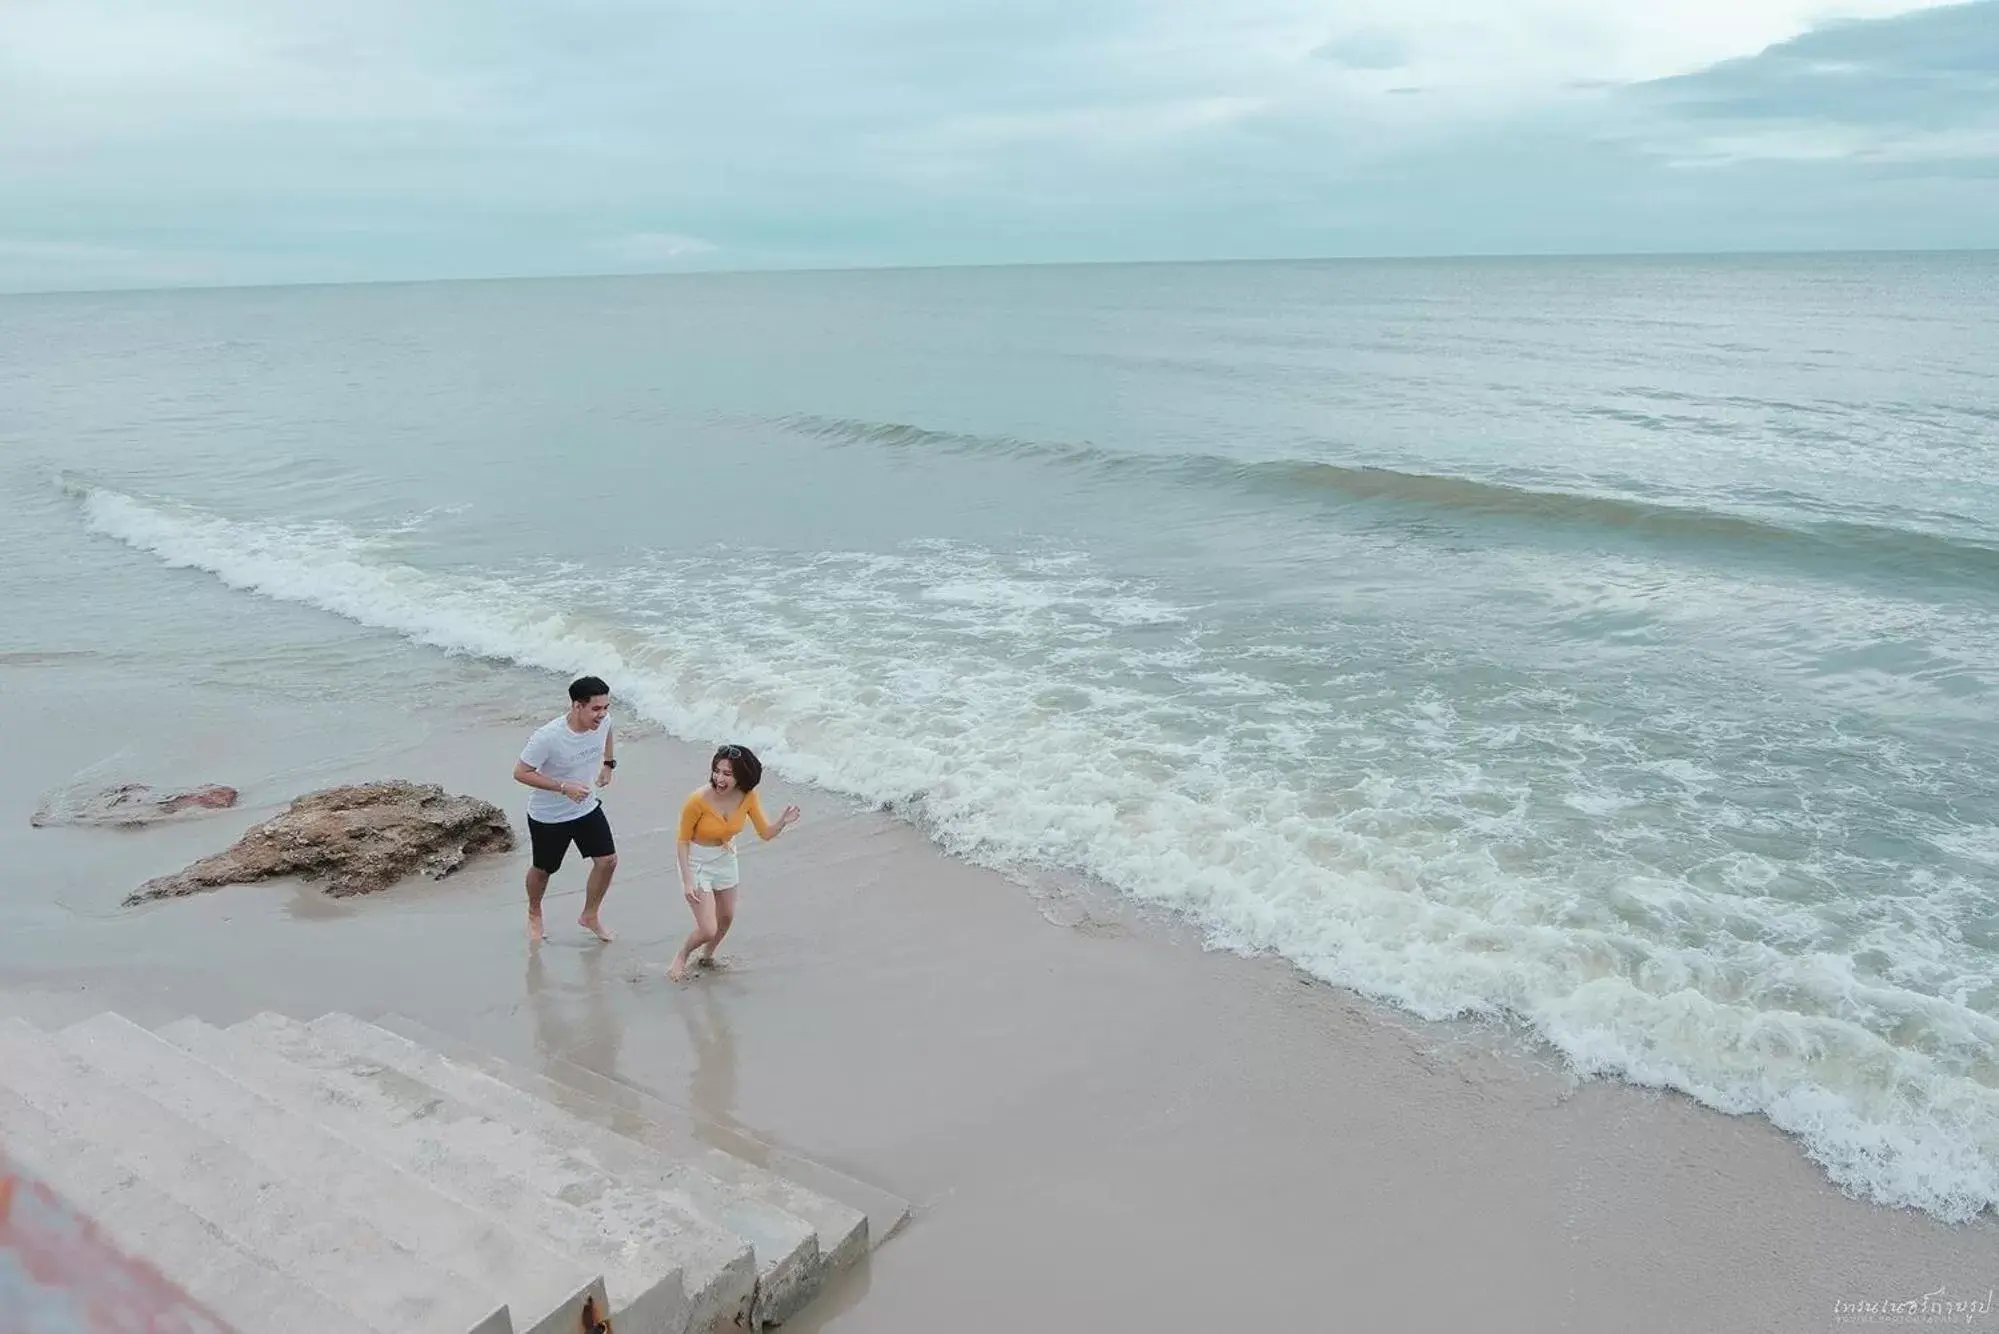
{"x":1463,"y":257}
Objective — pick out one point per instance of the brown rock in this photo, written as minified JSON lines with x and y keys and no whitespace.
{"x":355,"y":839}
{"x":130,"y":804}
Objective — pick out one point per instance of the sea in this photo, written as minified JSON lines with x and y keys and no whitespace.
{"x":1603,"y":647}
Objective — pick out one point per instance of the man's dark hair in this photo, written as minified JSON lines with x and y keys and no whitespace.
{"x":586,"y":688}
{"x":743,"y":763}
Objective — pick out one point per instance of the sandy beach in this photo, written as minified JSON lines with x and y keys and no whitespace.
{"x":1102,"y":1125}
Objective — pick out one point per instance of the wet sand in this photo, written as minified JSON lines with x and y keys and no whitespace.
{"x":1101,"y":1125}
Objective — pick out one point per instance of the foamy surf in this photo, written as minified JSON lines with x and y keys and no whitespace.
{"x":1032,"y":711}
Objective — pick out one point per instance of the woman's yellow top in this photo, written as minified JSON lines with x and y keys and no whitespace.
{"x":701,"y":823}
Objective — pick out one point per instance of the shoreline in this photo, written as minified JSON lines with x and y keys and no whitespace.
{"x":1099,"y":1122}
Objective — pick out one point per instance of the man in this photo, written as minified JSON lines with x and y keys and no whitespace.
{"x":559,"y":763}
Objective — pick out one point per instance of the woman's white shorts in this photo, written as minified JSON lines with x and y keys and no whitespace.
{"x":713,"y":868}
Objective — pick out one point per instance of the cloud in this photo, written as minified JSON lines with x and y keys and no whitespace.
{"x":61,"y":263}
{"x":655,"y":247}
{"x":257,"y":140}
{"x":83,"y":71}
{"x":1098,"y":127}
{"x":1368,"y":49}
{"x":1973,"y":147}
{"x":1921,"y":87}
{"x":1928,"y":69}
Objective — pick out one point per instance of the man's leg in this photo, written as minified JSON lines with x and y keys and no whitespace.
{"x":537,"y":886}
{"x":593,"y":840}
{"x":546,"y":846}
{"x":594,"y":890}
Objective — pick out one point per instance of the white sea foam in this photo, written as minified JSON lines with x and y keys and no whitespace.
{"x":1406,"y":846}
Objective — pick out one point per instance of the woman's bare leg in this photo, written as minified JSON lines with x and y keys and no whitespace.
{"x":704,"y":931}
{"x":725,"y":917}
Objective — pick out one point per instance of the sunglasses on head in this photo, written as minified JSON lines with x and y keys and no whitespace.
{"x":730,"y":752}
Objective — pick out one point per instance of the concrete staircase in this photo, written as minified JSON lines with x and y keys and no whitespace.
{"x":342,"y":1177}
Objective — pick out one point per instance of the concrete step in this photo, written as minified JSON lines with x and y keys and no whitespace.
{"x":545,"y":1292}
{"x":638,"y":1244}
{"x":789,"y":1263}
{"x":327,"y":1249}
{"x":711,"y":1251}
{"x":850,"y":1216}
{"x":141,"y":1220}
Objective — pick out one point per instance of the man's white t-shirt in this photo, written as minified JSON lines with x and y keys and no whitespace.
{"x":554,"y":751}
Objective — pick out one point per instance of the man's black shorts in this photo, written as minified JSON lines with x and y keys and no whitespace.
{"x":591,"y":833}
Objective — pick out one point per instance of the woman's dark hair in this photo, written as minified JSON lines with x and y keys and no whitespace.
{"x":743,"y":763}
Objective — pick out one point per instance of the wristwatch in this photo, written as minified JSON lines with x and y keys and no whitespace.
{"x":610,"y":763}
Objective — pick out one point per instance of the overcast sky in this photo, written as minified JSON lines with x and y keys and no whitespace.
{"x":148,"y":142}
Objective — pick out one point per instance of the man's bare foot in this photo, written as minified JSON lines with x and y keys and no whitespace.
{"x":596,"y":927}
{"x":534,"y":928}
{"x":676,"y":970}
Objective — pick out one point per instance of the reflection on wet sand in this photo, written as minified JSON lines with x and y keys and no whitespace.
{"x":573,"y":1021}
{"x":576,"y":1022}
{"x":711,"y":1085}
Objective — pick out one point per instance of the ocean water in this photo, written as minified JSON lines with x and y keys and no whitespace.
{"x":1607,"y":645}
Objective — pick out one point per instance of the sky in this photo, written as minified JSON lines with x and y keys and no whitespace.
{"x":174,"y":142}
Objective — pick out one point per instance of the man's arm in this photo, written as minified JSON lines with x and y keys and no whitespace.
{"x":533,"y":777}
{"x":610,"y":760}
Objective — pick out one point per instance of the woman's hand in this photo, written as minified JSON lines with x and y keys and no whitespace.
{"x":790,"y":817}
{"x":690,"y":893}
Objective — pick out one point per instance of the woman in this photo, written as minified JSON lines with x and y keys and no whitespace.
{"x":709,"y":823}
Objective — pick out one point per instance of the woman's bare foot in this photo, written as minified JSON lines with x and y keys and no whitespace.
{"x":676,"y":970}
{"x":591,"y":924}
{"x":534,"y":928}
{"x":708,"y":961}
